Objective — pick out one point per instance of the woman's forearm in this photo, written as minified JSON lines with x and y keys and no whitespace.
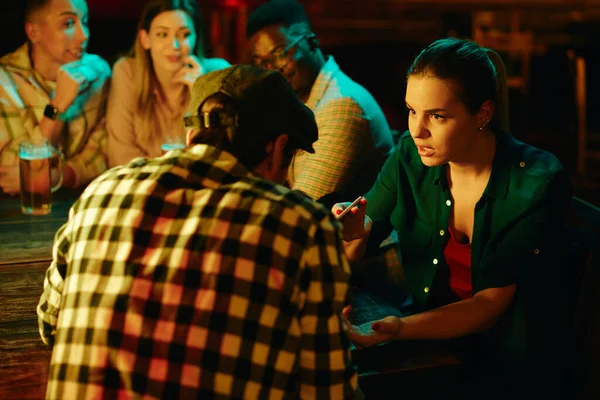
{"x":462,"y":318}
{"x":356,"y":249}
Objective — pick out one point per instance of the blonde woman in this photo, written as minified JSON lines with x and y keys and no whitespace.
{"x":151,"y":87}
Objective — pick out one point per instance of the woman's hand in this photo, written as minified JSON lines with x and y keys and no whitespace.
{"x":372,"y":333}
{"x":356,"y":223}
{"x":190,"y":71}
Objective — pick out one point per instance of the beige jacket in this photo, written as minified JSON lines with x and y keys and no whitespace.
{"x":124,"y":125}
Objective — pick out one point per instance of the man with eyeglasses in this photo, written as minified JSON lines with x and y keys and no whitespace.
{"x":354,"y":136}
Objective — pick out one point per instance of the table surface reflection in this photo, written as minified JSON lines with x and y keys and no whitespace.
{"x":26,"y":238}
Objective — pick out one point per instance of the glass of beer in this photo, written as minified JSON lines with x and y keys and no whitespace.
{"x":35,"y":169}
{"x":172,"y":143}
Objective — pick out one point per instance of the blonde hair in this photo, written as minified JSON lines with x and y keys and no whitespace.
{"x":145,"y":82}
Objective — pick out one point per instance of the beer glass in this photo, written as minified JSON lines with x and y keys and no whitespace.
{"x":172,"y":143}
{"x":36,"y":160}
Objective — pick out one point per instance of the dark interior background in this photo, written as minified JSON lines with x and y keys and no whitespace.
{"x":374,"y":42}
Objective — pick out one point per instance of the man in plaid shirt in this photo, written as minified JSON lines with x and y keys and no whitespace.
{"x":51,"y":88}
{"x":194,"y":275}
{"x":354,"y":136}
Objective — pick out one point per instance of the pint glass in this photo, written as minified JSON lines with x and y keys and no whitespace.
{"x":37,"y":160}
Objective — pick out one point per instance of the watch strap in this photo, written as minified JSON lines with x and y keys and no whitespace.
{"x":51,"y":112}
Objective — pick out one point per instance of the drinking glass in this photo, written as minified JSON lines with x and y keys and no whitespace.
{"x":35,"y":170}
{"x":172,"y":143}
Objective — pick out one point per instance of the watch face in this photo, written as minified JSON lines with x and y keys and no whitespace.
{"x":51,"y":112}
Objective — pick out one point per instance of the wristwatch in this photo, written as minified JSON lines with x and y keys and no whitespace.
{"x":51,"y":112}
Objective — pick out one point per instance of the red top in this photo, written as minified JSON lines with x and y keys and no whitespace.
{"x":458,"y":259}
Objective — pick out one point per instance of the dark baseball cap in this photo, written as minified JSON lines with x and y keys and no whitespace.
{"x":265,"y":104}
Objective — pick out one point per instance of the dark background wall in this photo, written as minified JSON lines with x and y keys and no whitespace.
{"x":375,"y":41}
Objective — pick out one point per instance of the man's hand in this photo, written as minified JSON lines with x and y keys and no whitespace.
{"x":10,"y":182}
{"x":69,"y":82}
{"x":73,"y":78}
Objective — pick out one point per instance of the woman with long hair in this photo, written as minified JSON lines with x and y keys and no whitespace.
{"x":151,"y":87}
{"x":479,"y":216}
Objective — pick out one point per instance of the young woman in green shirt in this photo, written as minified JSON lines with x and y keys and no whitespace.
{"x":479,"y":216}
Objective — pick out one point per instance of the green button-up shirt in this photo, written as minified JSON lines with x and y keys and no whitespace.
{"x":517,"y":227}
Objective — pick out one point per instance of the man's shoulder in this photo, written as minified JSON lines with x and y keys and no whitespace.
{"x":343,"y":88}
{"x":293,"y":207}
{"x":344,"y":95}
{"x":293,"y":200}
{"x":14,"y":71}
{"x":17,"y":59}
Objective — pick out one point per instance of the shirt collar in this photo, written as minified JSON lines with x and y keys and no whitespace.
{"x":322,"y":82}
{"x":440,"y":178}
{"x":209,"y":165}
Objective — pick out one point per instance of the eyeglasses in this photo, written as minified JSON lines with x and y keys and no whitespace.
{"x":278,"y":57}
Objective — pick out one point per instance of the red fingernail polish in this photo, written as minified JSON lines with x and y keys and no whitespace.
{"x":354,"y":210}
{"x":363,"y":202}
{"x":338,"y":211}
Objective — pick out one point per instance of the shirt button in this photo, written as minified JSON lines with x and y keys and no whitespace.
{"x":522,"y":164}
{"x":426,"y":289}
{"x":435,"y":261}
{"x":536,"y":251}
{"x":448,"y":203}
{"x":442,"y":232}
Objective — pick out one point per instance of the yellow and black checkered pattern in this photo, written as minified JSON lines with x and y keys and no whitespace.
{"x":187,"y":276}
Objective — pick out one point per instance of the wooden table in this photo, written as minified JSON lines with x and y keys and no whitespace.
{"x":25,"y":254}
{"x":409,"y":367}
{"x":24,"y":359}
{"x":25,"y":245}
{"x":25,"y":238}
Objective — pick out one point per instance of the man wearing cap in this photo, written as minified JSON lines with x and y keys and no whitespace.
{"x":354,"y":136}
{"x":196,"y":274}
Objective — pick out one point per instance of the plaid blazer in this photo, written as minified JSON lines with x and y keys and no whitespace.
{"x":354,"y":138}
{"x":186,"y":276}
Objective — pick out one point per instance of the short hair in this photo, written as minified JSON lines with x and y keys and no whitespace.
{"x":33,"y":6}
{"x":276,"y":12}
{"x":246,"y":146}
{"x":478,"y":71}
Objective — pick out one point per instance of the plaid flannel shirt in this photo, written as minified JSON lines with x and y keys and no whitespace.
{"x":24,"y":94}
{"x":186,"y":276}
{"x":354,"y":138}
